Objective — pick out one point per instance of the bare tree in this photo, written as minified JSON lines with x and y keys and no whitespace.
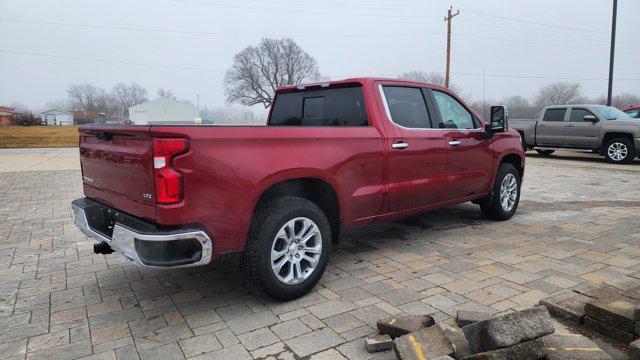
{"x":90,"y":98}
{"x":62,"y":104}
{"x":127,"y":95}
{"x":434,"y":78}
{"x":166,"y":94}
{"x":620,"y":101}
{"x":558,"y":93}
{"x":258,"y":70}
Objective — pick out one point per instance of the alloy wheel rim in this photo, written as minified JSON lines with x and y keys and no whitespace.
{"x":508,"y":192}
{"x":617,"y":151}
{"x":296,"y":250}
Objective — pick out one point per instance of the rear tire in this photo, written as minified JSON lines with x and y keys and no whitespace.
{"x":505,"y":195}
{"x":619,"y":151}
{"x":545,"y":152}
{"x":276,"y":239}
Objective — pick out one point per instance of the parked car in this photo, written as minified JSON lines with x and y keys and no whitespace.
{"x":597,"y":128}
{"x":633,"y":112}
{"x":333,"y":156}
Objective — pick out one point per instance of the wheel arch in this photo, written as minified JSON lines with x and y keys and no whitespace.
{"x":318,"y":190}
{"x":514,"y":159}
{"x":614,"y":135}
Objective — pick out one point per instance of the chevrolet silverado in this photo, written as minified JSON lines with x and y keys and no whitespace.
{"x":333,"y":156}
{"x":598,"y":128}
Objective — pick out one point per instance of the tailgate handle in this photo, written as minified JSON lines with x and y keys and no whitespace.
{"x":102,"y":135}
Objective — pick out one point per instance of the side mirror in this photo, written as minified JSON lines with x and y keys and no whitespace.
{"x":498,"y":120}
{"x":590,"y":117}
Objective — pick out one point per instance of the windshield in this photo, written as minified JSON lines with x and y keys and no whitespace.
{"x":611,"y":113}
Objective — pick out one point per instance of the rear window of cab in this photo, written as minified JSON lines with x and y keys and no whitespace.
{"x":332,"y":107}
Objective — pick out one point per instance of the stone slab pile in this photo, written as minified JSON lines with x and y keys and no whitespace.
{"x":513,"y":336}
{"x":608,"y":311}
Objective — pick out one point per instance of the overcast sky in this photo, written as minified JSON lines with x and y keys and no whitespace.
{"x":186,"y":46}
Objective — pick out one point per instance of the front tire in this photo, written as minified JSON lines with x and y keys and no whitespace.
{"x":287,"y":248}
{"x":545,"y":152}
{"x":619,"y":151}
{"x":505,"y":194}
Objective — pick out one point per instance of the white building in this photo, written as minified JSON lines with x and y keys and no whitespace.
{"x":57,"y":117}
{"x":163,"y":111}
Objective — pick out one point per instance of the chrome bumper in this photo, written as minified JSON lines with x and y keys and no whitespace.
{"x":124,"y":239}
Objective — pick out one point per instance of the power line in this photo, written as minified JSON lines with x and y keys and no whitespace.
{"x":289,"y":10}
{"x":125,"y":62}
{"x":541,"y":44}
{"x":466,"y":20}
{"x":555,"y":26}
{"x":343,"y":5}
{"x":214,"y":33}
{"x":193,"y":32}
{"x":108,"y":61}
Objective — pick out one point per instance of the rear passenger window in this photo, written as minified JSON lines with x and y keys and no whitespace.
{"x":324,"y":107}
{"x":407,"y":107}
{"x":554,"y":115}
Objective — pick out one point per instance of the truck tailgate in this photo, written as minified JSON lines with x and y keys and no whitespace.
{"x":117,"y":164}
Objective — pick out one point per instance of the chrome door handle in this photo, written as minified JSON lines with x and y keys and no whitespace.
{"x":400,"y":145}
{"x":455,"y":142}
{"x":568,"y":125}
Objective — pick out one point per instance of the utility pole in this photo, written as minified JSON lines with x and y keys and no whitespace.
{"x":448,"y":20}
{"x":613,"y":50}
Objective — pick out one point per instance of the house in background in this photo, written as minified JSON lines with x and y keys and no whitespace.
{"x":57,"y":117}
{"x":6,"y":115}
{"x":163,"y":111}
{"x":84,"y":117}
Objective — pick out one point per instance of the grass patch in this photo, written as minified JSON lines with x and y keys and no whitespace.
{"x":15,"y":136}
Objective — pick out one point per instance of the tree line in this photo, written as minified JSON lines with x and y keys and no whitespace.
{"x":258,"y":70}
{"x":114,"y":104}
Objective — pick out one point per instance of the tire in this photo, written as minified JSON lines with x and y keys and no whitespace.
{"x":271,"y":220}
{"x":619,"y":151}
{"x":495,"y":209}
{"x":545,"y":152}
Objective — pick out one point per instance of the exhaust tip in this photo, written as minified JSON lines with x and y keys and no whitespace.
{"x":102,"y":248}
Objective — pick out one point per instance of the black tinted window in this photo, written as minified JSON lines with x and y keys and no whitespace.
{"x":324,"y":107}
{"x":406,"y":107}
{"x":577,"y":115}
{"x":554,"y":115}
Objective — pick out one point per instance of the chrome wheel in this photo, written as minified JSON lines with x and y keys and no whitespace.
{"x":617,"y":151}
{"x":296,"y":250}
{"x":508,"y":192}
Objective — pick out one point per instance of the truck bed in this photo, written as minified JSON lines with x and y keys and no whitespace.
{"x":226,"y":167}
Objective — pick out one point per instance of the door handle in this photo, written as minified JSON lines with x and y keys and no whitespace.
{"x":455,"y":142}
{"x":569,"y":125}
{"x":400,"y":145}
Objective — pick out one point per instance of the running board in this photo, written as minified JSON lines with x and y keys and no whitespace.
{"x":563,"y":148}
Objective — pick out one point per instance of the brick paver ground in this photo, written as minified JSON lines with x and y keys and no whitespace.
{"x":579,"y":221}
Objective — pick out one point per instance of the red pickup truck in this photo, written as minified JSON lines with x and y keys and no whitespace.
{"x":333,"y":156}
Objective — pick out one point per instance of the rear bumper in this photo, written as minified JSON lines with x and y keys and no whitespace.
{"x":140,"y":241}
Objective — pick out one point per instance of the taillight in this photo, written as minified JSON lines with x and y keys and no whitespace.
{"x":168,"y":180}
